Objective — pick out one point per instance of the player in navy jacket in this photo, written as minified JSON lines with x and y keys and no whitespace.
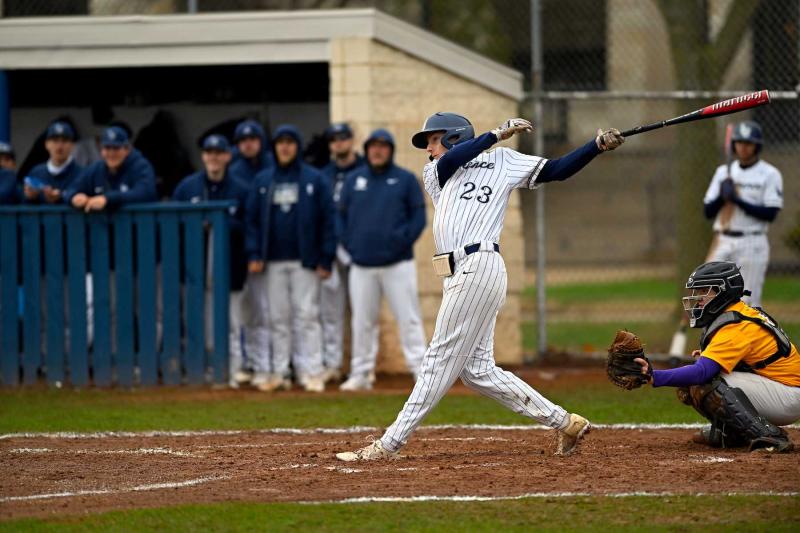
{"x":123,"y":176}
{"x":291,"y":230}
{"x":333,"y":292}
{"x":254,"y":154}
{"x":47,"y":181}
{"x":217,"y":182}
{"x":382,"y":214}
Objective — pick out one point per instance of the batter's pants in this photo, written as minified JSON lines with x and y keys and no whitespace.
{"x":398,"y":282}
{"x":751,"y":255}
{"x":778,"y":403}
{"x":463,"y":346}
{"x":294,"y":304}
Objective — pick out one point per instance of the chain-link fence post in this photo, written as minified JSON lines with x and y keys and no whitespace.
{"x":538,"y":149}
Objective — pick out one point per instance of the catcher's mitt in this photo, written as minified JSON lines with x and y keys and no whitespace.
{"x":621,"y":368}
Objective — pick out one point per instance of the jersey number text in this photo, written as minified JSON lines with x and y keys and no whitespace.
{"x":482,"y":198}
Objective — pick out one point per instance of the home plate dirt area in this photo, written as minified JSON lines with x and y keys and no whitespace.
{"x":48,"y":474}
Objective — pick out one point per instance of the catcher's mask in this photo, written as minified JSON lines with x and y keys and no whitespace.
{"x":711,"y":289}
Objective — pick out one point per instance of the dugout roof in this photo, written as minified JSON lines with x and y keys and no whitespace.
{"x":231,"y":38}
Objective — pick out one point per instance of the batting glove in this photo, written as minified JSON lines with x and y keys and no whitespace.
{"x":511,"y":126}
{"x":728,"y":190}
{"x":608,"y":139}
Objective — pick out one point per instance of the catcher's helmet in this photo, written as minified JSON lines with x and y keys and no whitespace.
{"x":748,"y":131}
{"x":721,"y":276}
{"x":455,"y":127}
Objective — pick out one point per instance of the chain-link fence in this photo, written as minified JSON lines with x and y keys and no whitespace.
{"x":622,"y":236}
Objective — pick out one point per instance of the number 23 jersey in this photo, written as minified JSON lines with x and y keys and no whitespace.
{"x":471,"y":207}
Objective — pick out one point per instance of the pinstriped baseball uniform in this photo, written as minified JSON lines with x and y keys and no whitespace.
{"x":744,"y":241}
{"x":470,"y":209}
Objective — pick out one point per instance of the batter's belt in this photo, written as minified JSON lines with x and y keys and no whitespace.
{"x":445,"y":264}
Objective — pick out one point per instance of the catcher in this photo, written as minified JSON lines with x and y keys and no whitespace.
{"x":746,"y":378}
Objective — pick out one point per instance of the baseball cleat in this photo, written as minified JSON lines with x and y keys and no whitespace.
{"x":314,"y":384}
{"x":371,"y":452}
{"x":569,"y":437}
{"x":241,"y":377}
{"x":272,"y":383}
{"x":356,"y":383}
{"x":331,"y":374}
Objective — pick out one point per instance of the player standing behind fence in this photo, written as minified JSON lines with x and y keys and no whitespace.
{"x":756,"y":189}
{"x":290,"y":232}
{"x":216,"y":182}
{"x":470,"y":190}
{"x":333,"y":292}
{"x":46,"y":182}
{"x":381,"y":215}
{"x":254,"y":156}
{"x":123,"y":176}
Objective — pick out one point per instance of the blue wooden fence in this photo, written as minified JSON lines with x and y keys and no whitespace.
{"x":45,"y":255}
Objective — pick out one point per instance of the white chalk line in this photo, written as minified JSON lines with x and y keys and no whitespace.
{"x":312,"y":431}
{"x":412,"y":499}
{"x":139,"y":451}
{"x":100,"y":492}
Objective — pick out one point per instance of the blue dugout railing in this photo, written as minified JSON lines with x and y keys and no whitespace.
{"x":141,"y":253}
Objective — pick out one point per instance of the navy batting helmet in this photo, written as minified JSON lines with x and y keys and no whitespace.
{"x":712,"y":288}
{"x":455,"y":127}
{"x":748,"y":131}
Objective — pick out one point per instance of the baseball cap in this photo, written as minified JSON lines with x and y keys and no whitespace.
{"x":216,"y":142}
{"x":6,"y":148}
{"x":114,"y":136}
{"x":60,"y":129}
{"x":340,"y":129}
{"x":248,"y":128}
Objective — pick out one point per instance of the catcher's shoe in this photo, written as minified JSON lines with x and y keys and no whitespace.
{"x":371,"y":452}
{"x":569,"y":437}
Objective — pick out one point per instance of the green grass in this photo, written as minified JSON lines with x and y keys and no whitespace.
{"x":776,"y":289}
{"x":728,"y":513}
{"x":95,"y":410}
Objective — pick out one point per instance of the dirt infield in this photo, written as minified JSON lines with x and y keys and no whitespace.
{"x":68,"y":474}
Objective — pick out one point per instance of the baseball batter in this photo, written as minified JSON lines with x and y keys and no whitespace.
{"x":470,"y":190}
{"x":756,"y":189}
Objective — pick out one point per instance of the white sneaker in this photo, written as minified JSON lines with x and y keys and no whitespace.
{"x":331,"y":374}
{"x":314,"y":384}
{"x":356,"y":383}
{"x":260,"y":377}
{"x":569,"y":437}
{"x":272,"y":383}
{"x":241,"y":377}
{"x":368,"y":453}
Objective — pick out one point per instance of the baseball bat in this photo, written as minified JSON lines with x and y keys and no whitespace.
{"x":725,"y":107}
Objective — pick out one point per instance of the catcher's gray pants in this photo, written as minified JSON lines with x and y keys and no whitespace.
{"x":294,"y":306}
{"x":778,"y":403}
{"x":398,"y":282}
{"x":332,"y":300}
{"x":256,"y":323}
{"x":463,"y":346}
{"x":751,"y":255}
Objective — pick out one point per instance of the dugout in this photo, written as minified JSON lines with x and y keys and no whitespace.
{"x":304,"y":67}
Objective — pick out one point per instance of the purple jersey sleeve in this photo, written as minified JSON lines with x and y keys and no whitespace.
{"x":702,"y":371}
